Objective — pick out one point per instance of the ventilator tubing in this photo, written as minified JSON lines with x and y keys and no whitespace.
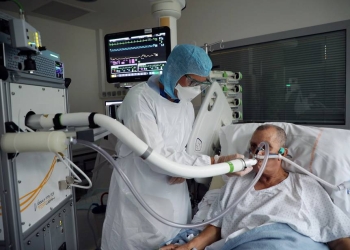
{"x":334,"y":187}
{"x":137,"y":145}
{"x":163,"y":220}
{"x":54,"y":141}
{"x":141,"y":149}
{"x":172,"y":168}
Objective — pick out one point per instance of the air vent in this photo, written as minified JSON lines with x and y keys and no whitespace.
{"x":60,"y":11}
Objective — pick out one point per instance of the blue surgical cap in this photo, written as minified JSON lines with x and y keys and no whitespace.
{"x":184,"y":59}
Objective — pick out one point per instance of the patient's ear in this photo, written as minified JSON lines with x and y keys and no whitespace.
{"x":285,"y":152}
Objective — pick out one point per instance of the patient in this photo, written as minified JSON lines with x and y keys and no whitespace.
{"x":283,"y":211}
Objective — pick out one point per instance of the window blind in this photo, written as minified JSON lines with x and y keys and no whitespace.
{"x":300,"y":80}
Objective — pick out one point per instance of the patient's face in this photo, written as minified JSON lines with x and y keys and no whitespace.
{"x":270,"y":136}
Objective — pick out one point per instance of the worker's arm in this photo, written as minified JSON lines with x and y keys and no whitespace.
{"x":339,"y":244}
{"x":209,"y":235}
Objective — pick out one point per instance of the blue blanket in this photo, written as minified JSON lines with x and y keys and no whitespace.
{"x":184,"y":236}
{"x":274,"y":236}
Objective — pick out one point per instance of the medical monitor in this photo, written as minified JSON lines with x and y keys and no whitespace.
{"x":134,"y":56}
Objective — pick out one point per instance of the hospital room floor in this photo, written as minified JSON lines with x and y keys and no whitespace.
{"x":85,"y":236}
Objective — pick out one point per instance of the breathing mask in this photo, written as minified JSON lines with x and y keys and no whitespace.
{"x":187,"y":93}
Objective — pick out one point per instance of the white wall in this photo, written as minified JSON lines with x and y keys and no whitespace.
{"x":207,"y":21}
{"x":203,"y":21}
{"x":78,"y":51}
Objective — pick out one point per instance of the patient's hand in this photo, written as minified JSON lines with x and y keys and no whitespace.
{"x":339,"y":244}
{"x":177,"y":247}
{"x":176,"y":180}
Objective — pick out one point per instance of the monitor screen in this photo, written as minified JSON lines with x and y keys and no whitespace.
{"x":134,"y":56}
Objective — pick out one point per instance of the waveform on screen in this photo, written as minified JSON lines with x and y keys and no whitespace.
{"x":131,"y":60}
{"x":134,"y":41}
{"x":134,"y":48}
{"x":135,"y":57}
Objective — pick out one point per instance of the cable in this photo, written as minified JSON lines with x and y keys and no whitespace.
{"x":36,"y":191}
{"x":150,"y":210}
{"x":59,"y":156}
{"x":101,"y":198}
{"x":78,"y":169}
{"x":20,"y":6}
{"x":82,"y":173}
{"x":92,"y":229}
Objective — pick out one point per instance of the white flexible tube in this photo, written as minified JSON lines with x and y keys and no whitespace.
{"x":138,"y":146}
{"x":151,"y":211}
{"x":122,"y":133}
{"x":173,"y":168}
{"x":303,"y":170}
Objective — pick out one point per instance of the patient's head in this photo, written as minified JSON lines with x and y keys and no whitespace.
{"x":276,"y":138}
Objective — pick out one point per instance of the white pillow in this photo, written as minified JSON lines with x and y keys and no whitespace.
{"x":322,"y":151}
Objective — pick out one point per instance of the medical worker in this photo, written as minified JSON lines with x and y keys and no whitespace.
{"x":160,"y":113}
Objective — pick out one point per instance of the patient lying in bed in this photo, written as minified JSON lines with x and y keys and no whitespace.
{"x":283,"y":211}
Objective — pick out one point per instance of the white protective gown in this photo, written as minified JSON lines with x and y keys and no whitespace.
{"x":165,"y":126}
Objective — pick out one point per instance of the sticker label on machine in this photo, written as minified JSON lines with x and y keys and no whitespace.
{"x":41,"y":203}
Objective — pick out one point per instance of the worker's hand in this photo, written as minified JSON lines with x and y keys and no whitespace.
{"x":227,"y":158}
{"x":176,"y":180}
{"x":233,"y":157}
{"x":240,"y":173}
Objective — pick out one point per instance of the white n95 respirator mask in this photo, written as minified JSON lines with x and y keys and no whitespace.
{"x":187,"y":93}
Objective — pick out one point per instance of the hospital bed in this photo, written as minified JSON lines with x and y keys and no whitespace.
{"x":321,"y":151}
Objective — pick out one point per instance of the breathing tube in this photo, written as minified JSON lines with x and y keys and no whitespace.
{"x":342,"y":186}
{"x":110,"y":159}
